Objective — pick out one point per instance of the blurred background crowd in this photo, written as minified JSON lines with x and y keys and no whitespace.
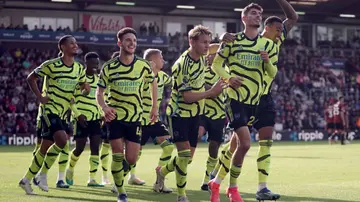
{"x":301,"y":90}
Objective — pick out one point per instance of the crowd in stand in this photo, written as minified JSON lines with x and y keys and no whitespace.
{"x":301,"y":90}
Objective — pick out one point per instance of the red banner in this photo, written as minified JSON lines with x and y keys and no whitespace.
{"x":105,"y":24}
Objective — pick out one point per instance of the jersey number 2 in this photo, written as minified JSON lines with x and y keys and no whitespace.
{"x":251,"y":121}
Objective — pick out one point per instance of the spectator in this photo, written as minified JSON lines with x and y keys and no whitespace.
{"x":151,"y":29}
{"x":43,"y":28}
{"x":81,"y":28}
{"x":67,"y":29}
{"x":143,"y":29}
{"x":50,"y":29}
{"x":10,"y":26}
{"x":157,"y":28}
{"x":59,"y":29}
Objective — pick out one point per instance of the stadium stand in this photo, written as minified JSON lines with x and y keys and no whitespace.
{"x":301,"y":90}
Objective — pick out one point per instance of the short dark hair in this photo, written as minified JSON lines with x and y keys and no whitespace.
{"x":249,"y":7}
{"x":198,"y":30}
{"x":125,"y":30}
{"x":150,"y":52}
{"x":270,"y":20}
{"x":90,"y":55}
{"x":61,"y":42}
{"x":116,"y":53}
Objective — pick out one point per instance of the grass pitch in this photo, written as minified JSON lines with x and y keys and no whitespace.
{"x":314,"y":172}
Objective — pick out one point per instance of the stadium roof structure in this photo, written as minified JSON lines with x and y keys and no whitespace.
{"x":326,"y":8}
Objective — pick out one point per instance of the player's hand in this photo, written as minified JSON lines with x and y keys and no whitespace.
{"x":227,"y":37}
{"x":44,"y":99}
{"x":110,"y":113}
{"x":235,"y":82}
{"x":265,"y":56}
{"x":217,"y":88}
{"x":85,"y":89}
{"x":82,"y":121}
{"x":154,"y":114}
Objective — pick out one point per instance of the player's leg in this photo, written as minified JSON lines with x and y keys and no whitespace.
{"x":241,"y":116}
{"x":220,"y":161}
{"x":180,"y":129}
{"x":341,"y":133}
{"x":63,"y":162}
{"x":225,"y":163}
{"x":215,"y":138}
{"x":35,"y":166}
{"x":133,"y":180}
{"x":265,"y":125}
{"x":166,"y":145}
{"x":117,"y":131}
{"x":331,"y":132}
{"x":162,"y":138}
{"x":225,"y":160}
{"x":80,"y":136}
{"x":95,"y":140}
{"x":38,"y":136}
{"x":104,"y":154}
{"x":60,"y":138}
{"x":131,"y":140}
{"x":201,"y":132}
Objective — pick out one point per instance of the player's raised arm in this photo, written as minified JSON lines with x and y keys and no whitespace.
{"x":291,"y":15}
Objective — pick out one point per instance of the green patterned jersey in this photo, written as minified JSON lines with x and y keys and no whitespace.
{"x":188,"y":75}
{"x":61,"y":82}
{"x":126,"y":83}
{"x":162,"y":80}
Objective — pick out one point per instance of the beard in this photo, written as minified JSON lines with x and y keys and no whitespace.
{"x":255,"y":26}
{"x":125,"y":52}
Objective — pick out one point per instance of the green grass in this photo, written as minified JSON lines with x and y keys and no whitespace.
{"x":300,"y":172}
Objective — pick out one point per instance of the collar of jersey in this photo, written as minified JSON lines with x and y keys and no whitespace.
{"x":122,"y":64}
{"x":65,"y":64}
{"x":254,"y":39}
{"x":195,"y":61}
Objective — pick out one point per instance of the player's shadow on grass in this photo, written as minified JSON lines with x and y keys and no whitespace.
{"x":145,"y":193}
{"x":302,"y":157}
{"x":80,"y":198}
{"x":249,"y":196}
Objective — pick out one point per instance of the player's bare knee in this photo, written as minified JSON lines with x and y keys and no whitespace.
{"x":60,"y":138}
{"x":131,"y":158}
{"x":117,"y":146}
{"x":213,"y":148}
{"x":45,"y":144}
{"x":244,"y":146}
{"x":94,"y":151}
{"x":182,"y":145}
{"x":161,"y":139}
{"x":265,"y":133}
